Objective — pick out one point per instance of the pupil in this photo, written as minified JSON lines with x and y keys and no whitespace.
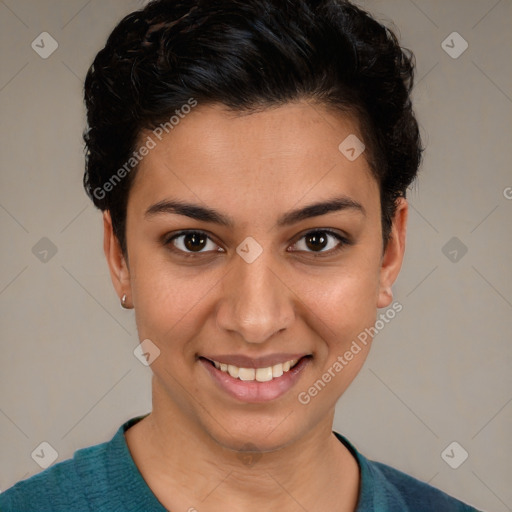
{"x":197,"y":241}
{"x":316,"y":238}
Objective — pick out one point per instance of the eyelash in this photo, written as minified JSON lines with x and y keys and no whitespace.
{"x":343,"y":242}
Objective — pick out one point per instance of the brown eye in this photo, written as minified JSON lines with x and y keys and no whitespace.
{"x":190,"y":242}
{"x":318,"y":240}
{"x":194,"y":241}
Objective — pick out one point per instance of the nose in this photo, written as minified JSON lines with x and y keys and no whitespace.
{"x":255,"y":302}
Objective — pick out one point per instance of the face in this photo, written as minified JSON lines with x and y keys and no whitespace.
{"x":253,"y":275}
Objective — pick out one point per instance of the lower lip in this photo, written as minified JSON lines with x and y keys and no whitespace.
{"x":253,"y":391}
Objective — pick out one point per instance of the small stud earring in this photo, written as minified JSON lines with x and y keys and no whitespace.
{"x":123,"y":302}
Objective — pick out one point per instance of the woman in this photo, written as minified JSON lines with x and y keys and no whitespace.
{"x":251,"y":160}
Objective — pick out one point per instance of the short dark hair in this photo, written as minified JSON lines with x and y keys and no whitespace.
{"x":248,"y":55}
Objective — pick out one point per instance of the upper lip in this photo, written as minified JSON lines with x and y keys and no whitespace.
{"x":254,"y":362}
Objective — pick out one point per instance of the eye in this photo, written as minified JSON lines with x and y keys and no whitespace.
{"x":191,"y":243}
{"x":316,"y":241}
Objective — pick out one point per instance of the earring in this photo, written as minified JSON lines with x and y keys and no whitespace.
{"x":123,"y":302}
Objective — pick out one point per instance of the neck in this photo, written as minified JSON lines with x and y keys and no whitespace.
{"x":188,"y":469}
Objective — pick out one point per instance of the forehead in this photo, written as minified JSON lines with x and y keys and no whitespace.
{"x":279,"y":154}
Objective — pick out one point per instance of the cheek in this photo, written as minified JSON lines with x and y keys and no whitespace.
{"x":344,"y":298}
{"x":169,"y":300}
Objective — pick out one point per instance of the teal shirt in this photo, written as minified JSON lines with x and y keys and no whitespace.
{"x":105,"y":478}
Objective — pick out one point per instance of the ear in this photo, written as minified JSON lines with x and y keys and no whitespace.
{"x":119,"y":271}
{"x":394,"y":254}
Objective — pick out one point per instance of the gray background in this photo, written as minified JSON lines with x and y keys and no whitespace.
{"x":438,"y":373}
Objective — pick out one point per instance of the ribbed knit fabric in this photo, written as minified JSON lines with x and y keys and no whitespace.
{"x":104,"y":478}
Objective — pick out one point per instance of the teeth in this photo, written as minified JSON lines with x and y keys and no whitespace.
{"x":246,"y":373}
{"x":233,"y":371}
{"x":277,"y":370}
{"x":264,"y":374}
{"x":258,"y":374}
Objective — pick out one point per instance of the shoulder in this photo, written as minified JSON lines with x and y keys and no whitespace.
{"x":65,"y":486}
{"x":385,"y":488}
{"x":410,"y":493}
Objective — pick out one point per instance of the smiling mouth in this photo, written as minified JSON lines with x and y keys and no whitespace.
{"x":256,"y":374}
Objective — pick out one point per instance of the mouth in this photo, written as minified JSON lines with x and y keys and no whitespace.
{"x":262,"y":374}
{"x":255,"y":382}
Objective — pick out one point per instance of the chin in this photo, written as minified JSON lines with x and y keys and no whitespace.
{"x":262,"y":434}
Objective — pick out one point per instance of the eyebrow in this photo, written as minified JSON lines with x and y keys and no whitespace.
{"x":206,"y":214}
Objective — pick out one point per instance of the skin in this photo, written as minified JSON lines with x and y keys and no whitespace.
{"x":253,"y":168}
